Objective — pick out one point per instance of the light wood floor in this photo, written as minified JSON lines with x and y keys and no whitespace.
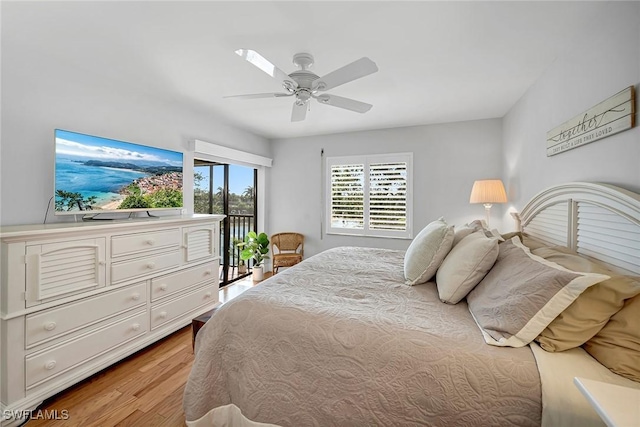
{"x":143,"y":390}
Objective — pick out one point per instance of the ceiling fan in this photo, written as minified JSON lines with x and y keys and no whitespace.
{"x":305,"y":84}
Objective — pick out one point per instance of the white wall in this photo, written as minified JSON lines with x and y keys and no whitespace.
{"x":40,"y":94}
{"x":592,"y":70}
{"x":447,"y":160}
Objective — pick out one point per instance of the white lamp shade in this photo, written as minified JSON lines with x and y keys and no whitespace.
{"x":488,"y":191}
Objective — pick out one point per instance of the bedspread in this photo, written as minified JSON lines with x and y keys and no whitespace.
{"x":340,"y":340}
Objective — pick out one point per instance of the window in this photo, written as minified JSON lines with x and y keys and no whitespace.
{"x":370,"y":195}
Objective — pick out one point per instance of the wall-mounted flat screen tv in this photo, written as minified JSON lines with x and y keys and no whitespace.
{"x":99,"y":175}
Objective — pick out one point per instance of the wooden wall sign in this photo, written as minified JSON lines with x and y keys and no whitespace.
{"x":605,"y":119}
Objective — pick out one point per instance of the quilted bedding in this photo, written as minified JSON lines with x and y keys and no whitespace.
{"x":340,"y":340}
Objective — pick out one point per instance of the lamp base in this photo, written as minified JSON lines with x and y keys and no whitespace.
{"x":487,"y":211}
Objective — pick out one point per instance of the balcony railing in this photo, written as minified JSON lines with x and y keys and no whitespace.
{"x":239,"y":226}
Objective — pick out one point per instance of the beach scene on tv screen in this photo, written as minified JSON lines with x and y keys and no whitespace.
{"x":99,"y":174}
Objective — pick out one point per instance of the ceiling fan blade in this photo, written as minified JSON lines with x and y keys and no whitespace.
{"x":360,"y":68}
{"x":265,"y":65}
{"x":259,"y":95}
{"x":299,"y":112}
{"x":346,"y":103}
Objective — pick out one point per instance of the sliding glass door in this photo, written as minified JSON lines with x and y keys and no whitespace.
{"x":230,"y":190}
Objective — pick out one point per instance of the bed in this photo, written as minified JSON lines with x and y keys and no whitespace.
{"x":340,"y":339}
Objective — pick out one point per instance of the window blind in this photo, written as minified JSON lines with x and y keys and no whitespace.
{"x":370,"y":195}
{"x":388,"y":196}
{"x":347,"y":196}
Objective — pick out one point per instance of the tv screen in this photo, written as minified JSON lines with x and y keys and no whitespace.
{"x":96,"y":175}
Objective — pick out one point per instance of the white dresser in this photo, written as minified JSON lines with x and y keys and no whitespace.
{"x":77,"y":297}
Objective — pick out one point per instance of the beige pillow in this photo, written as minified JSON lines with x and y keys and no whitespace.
{"x":426,"y":252}
{"x":522,"y":294}
{"x":464,"y":267}
{"x":472,"y":227}
{"x":617,"y":345}
{"x":531,"y":242}
{"x":511,"y":235}
{"x":590,"y":312}
{"x":461,"y":233}
{"x":467,"y":229}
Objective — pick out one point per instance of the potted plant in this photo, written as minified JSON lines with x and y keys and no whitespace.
{"x":242,"y":267}
{"x":256,"y":247}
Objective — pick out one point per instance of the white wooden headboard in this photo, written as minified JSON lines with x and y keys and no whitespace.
{"x":600,"y":221}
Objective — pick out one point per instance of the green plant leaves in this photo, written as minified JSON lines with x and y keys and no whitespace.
{"x":255,"y":246}
{"x":263,"y":239}
{"x":246,"y":254}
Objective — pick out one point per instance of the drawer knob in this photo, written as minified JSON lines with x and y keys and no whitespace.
{"x":151,"y":265}
{"x":135,"y":296}
{"x":207,"y":272}
{"x":50,"y":365}
{"x":150,"y":242}
{"x":135,"y":326}
{"x":207,"y":295}
{"x":50,"y":326}
{"x":163,"y":314}
{"x":163,"y":287}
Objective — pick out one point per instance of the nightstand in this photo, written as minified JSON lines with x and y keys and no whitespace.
{"x":618,"y":406}
{"x":198,"y":323}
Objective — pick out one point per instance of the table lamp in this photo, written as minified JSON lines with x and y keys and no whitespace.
{"x":488,"y":191}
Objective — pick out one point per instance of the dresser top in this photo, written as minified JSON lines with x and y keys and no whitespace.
{"x":33,"y":230}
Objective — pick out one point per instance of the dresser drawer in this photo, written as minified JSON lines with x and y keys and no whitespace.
{"x":164,"y":313}
{"x":42,"y":366}
{"x":142,"y":266}
{"x":166,"y":285}
{"x":134,"y":243}
{"x":52,"y":323}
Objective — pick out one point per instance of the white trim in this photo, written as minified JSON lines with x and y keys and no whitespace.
{"x":366,"y":160}
{"x":218,"y":153}
{"x":228,"y":155}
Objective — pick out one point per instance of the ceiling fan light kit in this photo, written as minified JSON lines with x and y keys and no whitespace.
{"x":305,"y":84}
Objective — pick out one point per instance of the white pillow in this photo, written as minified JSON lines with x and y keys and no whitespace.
{"x":426,"y":252}
{"x":465,"y":266}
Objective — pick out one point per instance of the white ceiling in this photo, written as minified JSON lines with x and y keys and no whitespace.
{"x":439,"y":61}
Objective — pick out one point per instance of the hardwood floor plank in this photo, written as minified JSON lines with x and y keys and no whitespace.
{"x":171,"y":404}
{"x":93,"y":409}
{"x":136,"y":418}
{"x":175,"y":420}
{"x":116,"y":416}
{"x":155,"y":420}
{"x":162,"y":390}
{"x":142,"y":381}
{"x":175,"y":348}
{"x":83,"y":406}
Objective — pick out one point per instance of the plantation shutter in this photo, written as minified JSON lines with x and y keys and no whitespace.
{"x":388,"y":196}
{"x":370,"y":195}
{"x":347,"y":196}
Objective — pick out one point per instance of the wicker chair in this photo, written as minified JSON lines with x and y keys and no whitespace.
{"x":290,"y":248}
